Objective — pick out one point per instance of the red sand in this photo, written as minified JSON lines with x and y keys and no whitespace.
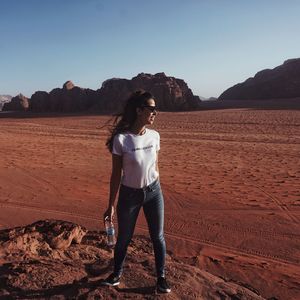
{"x":230,"y":180}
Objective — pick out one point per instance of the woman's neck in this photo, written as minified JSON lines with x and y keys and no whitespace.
{"x":138,"y":129}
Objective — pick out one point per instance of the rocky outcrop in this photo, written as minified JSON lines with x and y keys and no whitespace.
{"x":68,"y":85}
{"x":172,"y":94}
{"x":40,"y":238}
{"x":18,"y":103}
{"x":4,"y":99}
{"x":39,"y":101}
{"x":280,"y":82}
{"x":70,"y":98}
{"x":33,"y":267}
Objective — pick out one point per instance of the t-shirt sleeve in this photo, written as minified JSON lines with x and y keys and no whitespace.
{"x":158,"y":142}
{"x":117,"y":146}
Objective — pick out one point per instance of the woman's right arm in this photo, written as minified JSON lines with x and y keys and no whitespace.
{"x":115,"y":180}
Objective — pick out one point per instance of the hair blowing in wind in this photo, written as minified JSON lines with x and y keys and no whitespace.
{"x":123,"y":121}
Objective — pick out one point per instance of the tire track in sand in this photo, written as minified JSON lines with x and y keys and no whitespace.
{"x":46,"y":210}
{"x":283,"y":207}
{"x":238,"y":251}
{"x":42,"y":182}
{"x":176,"y":226}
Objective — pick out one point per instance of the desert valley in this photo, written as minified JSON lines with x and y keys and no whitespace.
{"x":230,"y":178}
{"x":219,"y":82}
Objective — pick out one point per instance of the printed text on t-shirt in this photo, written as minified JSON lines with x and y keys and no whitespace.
{"x":144,"y":148}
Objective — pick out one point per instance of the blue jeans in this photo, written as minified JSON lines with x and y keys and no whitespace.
{"x":129,"y":204}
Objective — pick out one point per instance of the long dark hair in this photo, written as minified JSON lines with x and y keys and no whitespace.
{"x":123,"y":122}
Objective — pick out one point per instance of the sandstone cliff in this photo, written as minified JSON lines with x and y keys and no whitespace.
{"x":280,"y":82}
{"x":172,"y":94}
{"x":17,"y":103}
{"x":70,"y":98}
{"x":4,"y":99}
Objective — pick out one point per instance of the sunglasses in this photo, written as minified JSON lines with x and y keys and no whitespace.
{"x":151,"y":108}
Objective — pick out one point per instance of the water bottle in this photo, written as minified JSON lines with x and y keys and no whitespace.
{"x":110,"y":231}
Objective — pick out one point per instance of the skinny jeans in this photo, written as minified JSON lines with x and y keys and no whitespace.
{"x":129,"y":204}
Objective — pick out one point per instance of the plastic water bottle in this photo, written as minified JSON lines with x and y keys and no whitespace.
{"x":110,"y":231}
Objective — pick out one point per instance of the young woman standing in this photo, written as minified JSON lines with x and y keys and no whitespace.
{"x":134,"y":150}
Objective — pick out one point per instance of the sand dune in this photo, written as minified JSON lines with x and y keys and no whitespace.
{"x":230,"y":180}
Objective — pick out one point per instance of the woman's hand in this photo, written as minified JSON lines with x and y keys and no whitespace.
{"x":109,"y":214}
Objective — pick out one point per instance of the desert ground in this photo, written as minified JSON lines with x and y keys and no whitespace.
{"x":230,"y":179}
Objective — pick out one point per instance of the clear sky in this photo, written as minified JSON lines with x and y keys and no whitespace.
{"x":211,"y":44}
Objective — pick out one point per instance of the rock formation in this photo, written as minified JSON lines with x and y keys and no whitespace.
{"x":280,"y":82}
{"x":4,"y":99}
{"x":172,"y":94}
{"x":70,"y":98}
{"x":40,"y":238}
{"x":61,"y":260}
{"x":17,"y":103}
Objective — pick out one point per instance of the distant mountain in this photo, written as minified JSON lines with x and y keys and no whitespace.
{"x":207,"y":99}
{"x":17,"y":103}
{"x":280,"y":82}
{"x":171,"y":94}
{"x":4,"y":99}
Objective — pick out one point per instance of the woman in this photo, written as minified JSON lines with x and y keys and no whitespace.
{"x":134,"y":151}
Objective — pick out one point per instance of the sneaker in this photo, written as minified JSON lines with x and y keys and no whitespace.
{"x":162,"y":285}
{"x":111,"y":280}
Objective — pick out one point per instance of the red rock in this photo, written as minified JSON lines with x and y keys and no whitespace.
{"x":67,"y":274}
{"x":4,"y":99}
{"x":40,"y":101}
{"x":68,"y":99}
{"x":17,"y":103}
{"x":41,"y":238}
{"x":280,"y":82}
{"x":68,"y":85}
{"x":172,"y":94}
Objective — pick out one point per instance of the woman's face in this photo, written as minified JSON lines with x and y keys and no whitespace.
{"x":148,"y":112}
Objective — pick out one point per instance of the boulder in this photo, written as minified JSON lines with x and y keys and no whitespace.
{"x":68,"y":85}
{"x":40,"y":238}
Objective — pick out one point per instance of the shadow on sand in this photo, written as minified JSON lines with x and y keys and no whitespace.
{"x":76,"y":290}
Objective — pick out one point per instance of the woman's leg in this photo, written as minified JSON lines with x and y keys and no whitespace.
{"x":154,"y":213}
{"x":128,"y":207}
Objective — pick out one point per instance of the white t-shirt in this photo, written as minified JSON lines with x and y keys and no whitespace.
{"x":139,"y":157}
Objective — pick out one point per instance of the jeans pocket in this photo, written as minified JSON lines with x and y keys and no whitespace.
{"x":155,"y":188}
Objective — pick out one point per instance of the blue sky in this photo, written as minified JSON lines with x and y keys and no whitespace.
{"x":211,"y":44}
